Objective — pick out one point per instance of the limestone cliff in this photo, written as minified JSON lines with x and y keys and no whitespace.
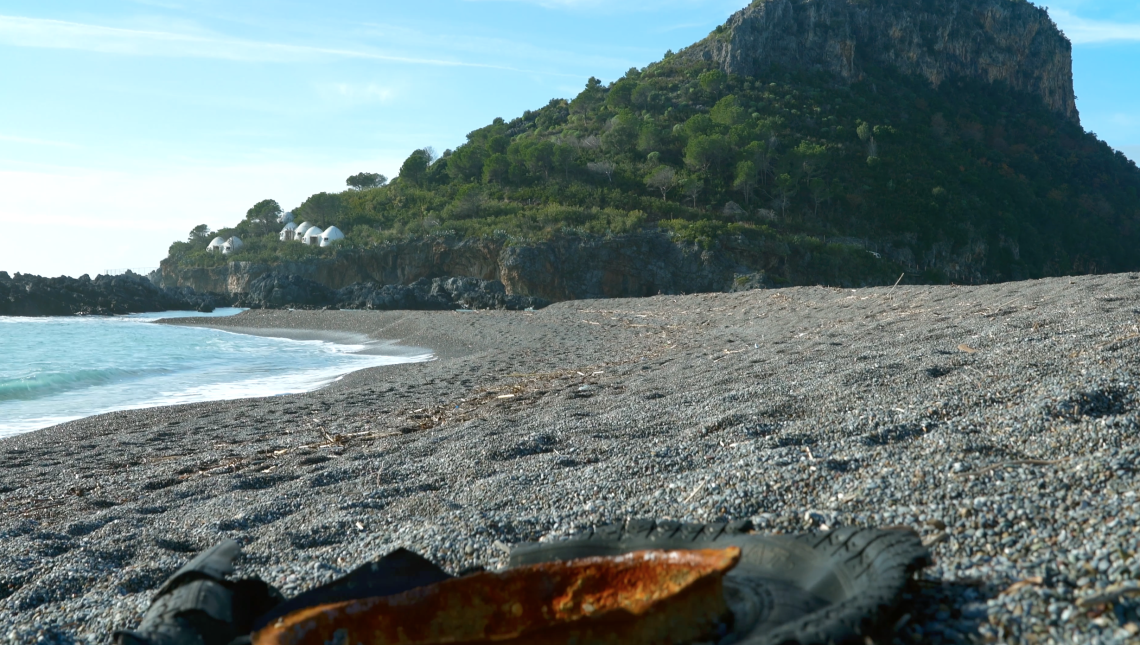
{"x":564,"y":268}
{"x":992,"y":40}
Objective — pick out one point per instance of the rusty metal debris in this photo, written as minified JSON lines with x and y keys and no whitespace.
{"x":641,"y":597}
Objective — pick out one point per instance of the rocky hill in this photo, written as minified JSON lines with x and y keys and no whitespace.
{"x":838,"y":142}
{"x":996,"y":41}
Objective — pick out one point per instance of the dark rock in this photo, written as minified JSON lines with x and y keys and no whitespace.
{"x":563,"y":268}
{"x":31,"y":295}
{"x":274,"y":290}
{"x":435,"y":294}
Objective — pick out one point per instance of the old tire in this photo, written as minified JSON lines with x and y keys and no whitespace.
{"x":830,"y":587}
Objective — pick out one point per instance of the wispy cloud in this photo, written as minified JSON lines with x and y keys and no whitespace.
{"x":610,"y":6}
{"x":1083,"y":30}
{"x":1127,"y":120}
{"x":19,"y":31}
{"x":687,"y":25}
{"x":37,"y":142}
{"x":360,"y":92}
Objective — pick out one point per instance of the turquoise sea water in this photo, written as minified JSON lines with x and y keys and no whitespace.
{"x":62,"y":368}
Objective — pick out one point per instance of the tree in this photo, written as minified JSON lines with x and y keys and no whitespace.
{"x":602,"y":168}
{"x":712,"y":80}
{"x":692,"y":186}
{"x":746,"y":179}
{"x":198,"y":233}
{"x":496,"y":169}
{"x":760,"y":155}
{"x":414,"y":168}
{"x":621,"y":93}
{"x":728,"y":111}
{"x":661,"y":179}
{"x":266,"y":210}
{"x":623,"y":131}
{"x":782,"y":196}
{"x":539,"y":158}
{"x":263,"y":217}
{"x":467,"y":162}
{"x":564,"y":159}
{"x":705,"y":151}
{"x":864,"y":131}
{"x":366,"y":180}
{"x":819,"y":192}
{"x":321,"y":208}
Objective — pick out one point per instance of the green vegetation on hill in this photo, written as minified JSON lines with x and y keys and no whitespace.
{"x":967,"y":182}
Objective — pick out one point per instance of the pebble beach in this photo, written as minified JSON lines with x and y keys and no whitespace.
{"x":1001,"y":422}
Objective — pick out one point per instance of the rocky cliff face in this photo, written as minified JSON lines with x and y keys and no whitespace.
{"x":567,"y":268}
{"x":577,"y":267}
{"x":992,"y":40}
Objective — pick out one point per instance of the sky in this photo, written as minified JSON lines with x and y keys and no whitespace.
{"x":125,"y":123}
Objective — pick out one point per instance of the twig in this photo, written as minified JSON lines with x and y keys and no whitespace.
{"x":694,"y":493}
{"x":896,"y":283}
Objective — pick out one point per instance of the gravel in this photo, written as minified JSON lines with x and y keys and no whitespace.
{"x":1002,"y":422}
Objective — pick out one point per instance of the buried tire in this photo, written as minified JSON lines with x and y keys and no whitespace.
{"x":829,"y":587}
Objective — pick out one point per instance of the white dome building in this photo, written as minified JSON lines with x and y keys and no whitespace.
{"x":313,"y":235}
{"x":216,"y":244}
{"x":288,"y":232}
{"x":286,"y":217}
{"x":302,"y":228}
{"x":231,"y":245}
{"x":331,"y":234}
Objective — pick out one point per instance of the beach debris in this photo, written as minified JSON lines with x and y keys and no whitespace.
{"x":937,"y":538}
{"x":647,"y":596}
{"x":1110,"y":594}
{"x":1034,"y":581}
{"x":967,"y":349}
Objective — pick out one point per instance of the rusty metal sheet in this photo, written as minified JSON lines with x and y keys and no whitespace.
{"x":640,"y":597}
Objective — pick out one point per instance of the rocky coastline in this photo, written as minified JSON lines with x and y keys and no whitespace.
{"x":1001,"y":422}
{"x":105,"y":295}
{"x":577,"y":267}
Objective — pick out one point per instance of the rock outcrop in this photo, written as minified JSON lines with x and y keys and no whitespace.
{"x":274,"y":291}
{"x":30,"y":295}
{"x":1010,"y":41}
{"x":565,"y":268}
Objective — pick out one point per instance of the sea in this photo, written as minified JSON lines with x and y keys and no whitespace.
{"x":58,"y":369}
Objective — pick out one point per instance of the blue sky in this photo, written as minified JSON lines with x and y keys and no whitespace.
{"x":124,"y":123}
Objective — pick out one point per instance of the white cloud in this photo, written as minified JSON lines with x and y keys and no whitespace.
{"x":1083,"y":30}
{"x":58,"y":34}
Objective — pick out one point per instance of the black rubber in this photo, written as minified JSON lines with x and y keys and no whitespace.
{"x":394,"y":573}
{"x":198,"y":605}
{"x":831,"y":587}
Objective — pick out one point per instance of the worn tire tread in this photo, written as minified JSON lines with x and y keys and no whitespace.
{"x":878,"y":561}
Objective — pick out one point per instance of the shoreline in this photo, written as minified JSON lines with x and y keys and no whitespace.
{"x":322,"y":357}
{"x":369,"y":346}
{"x":1002,"y":422}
